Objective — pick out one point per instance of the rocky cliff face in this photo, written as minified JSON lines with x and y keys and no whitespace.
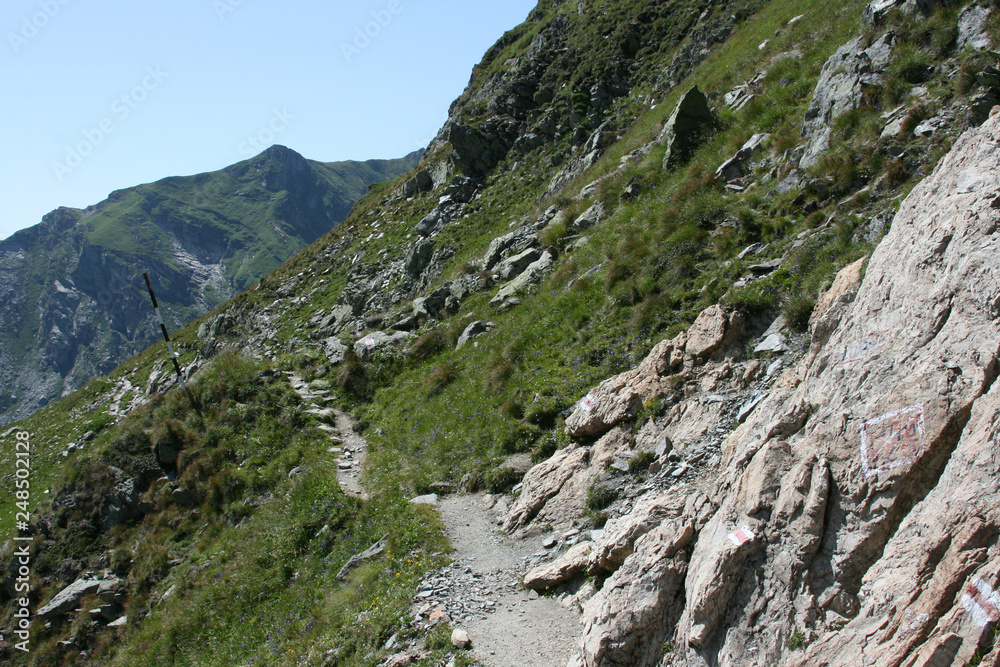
{"x":856,"y":507}
{"x":75,"y":304}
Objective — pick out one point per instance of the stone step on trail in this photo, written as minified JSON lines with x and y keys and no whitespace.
{"x":345,"y":441}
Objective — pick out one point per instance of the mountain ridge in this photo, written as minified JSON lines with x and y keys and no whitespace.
{"x":203,"y":238}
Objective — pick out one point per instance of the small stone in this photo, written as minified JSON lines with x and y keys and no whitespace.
{"x":460,"y":639}
{"x":438,"y":616}
{"x":776,"y":342}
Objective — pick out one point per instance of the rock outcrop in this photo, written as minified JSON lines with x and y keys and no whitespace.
{"x":856,"y":503}
{"x":621,"y":397}
{"x":918,"y":498}
{"x":564,"y":568}
{"x":686,"y":126}
{"x":67,"y":599}
{"x":841,"y":87}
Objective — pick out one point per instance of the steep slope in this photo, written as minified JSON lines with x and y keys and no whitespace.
{"x":72,"y":288}
{"x":657,"y":345}
{"x":865,"y":480}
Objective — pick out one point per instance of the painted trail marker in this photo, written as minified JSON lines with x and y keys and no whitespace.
{"x":982,"y":603}
{"x":863,"y":348}
{"x":892,"y":440}
{"x":170,"y":345}
{"x":740,"y":536}
{"x":587,"y":403}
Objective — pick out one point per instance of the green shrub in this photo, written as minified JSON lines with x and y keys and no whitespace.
{"x":428,"y":345}
{"x":641,"y":462}
{"x":501,"y":480}
{"x":543,"y":411}
{"x":914,"y":116}
{"x":797,"y":311}
{"x":544,"y":448}
{"x":519,"y":438}
{"x":439,"y":638}
{"x":757,"y":298}
{"x":651,"y":407}
{"x":512,"y":408}
{"x":554,"y":233}
{"x":352,"y":376}
{"x":599,"y":497}
{"x":496,"y":377}
{"x":439,"y":378}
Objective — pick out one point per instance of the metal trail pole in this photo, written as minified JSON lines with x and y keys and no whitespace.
{"x":170,"y":345}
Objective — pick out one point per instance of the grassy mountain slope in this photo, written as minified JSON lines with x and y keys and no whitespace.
{"x":256,"y":579}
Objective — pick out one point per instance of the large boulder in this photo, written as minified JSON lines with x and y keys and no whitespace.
{"x":738,"y":166}
{"x":586,"y":157}
{"x":420,"y":182}
{"x":841,"y":88}
{"x":371,"y":343}
{"x":67,"y":599}
{"x":418,"y":256}
{"x":532,"y":274}
{"x":564,"y":568}
{"x":477,"y":150}
{"x":433,"y":303}
{"x":617,"y":542}
{"x":122,"y":503}
{"x":848,"y":281}
{"x":713,"y":329}
{"x":621,"y":397}
{"x":543,"y":482}
{"x":515,"y":266}
{"x":973,"y":30}
{"x":474,"y":329}
{"x":334,"y":349}
{"x":590,"y":217}
{"x":555,"y":491}
{"x":509,"y":244}
{"x":876,"y":11}
{"x":334,"y":320}
{"x":684,"y":130}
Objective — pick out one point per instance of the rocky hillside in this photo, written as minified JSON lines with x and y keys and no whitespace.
{"x":692,"y":303}
{"x":71,"y":288}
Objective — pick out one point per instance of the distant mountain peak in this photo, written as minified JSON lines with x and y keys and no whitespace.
{"x":203,"y":238}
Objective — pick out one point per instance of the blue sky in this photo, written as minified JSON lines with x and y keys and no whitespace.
{"x":105,"y":95}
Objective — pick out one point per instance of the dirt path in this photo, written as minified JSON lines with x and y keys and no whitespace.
{"x":349,"y":447}
{"x":480,"y":590}
{"x":481,"y":593}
